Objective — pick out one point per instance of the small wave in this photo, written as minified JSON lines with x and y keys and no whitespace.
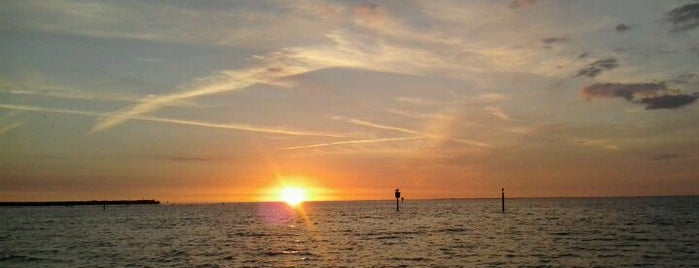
{"x":567,"y":255}
{"x":398,"y":233}
{"x":420,"y":259}
{"x":26,"y":259}
{"x":452,"y":230}
{"x":561,"y":233}
{"x":207,"y":265}
{"x":387,"y":237}
{"x":286,"y":252}
{"x":18,"y":258}
{"x":250,"y":234}
{"x":609,"y":255}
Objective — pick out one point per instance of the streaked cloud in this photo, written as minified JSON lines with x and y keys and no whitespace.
{"x":595,"y":68}
{"x":652,"y":95}
{"x":603,"y":144}
{"x":365,"y":141}
{"x":622,"y":27}
{"x":663,"y":156}
{"x":418,"y":115}
{"x":184,"y":159}
{"x":410,"y":131}
{"x":668,"y":101}
{"x":626,"y":91}
{"x":31,"y":88}
{"x":522,"y":3}
{"x":497,"y":112}
{"x":492,"y":96}
{"x":553,"y":40}
{"x":240,"y":127}
{"x":417,"y":101}
{"x":7,"y":128}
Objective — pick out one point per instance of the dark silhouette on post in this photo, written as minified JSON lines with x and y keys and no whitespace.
{"x":503,"y":200}
{"x":397,"y":194}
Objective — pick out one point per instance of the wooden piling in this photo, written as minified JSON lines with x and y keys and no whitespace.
{"x":503,"y":200}
{"x":397,"y":195}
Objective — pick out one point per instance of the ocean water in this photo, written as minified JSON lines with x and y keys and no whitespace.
{"x":567,"y":232}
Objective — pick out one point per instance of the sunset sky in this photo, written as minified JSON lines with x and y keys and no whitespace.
{"x":196,"y":101}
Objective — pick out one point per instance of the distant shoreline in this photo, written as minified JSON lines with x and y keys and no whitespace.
{"x":80,"y":203}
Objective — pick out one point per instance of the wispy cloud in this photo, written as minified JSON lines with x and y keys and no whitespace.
{"x":184,"y":158}
{"x":273,"y":67}
{"x":231,"y":81}
{"x":239,"y":127}
{"x":7,"y":128}
{"x":492,"y":97}
{"x":417,"y":101}
{"x":522,"y":3}
{"x":50,"y":90}
{"x":401,"y":49}
{"x":418,"y":115}
{"x":404,"y":52}
{"x":663,"y":156}
{"x":243,"y":127}
{"x":497,"y":112}
{"x":446,"y":117}
{"x":47,"y":110}
{"x":377,"y":126}
{"x":604,"y":144}
{"x":270,"y":69}
{"x":553,"y":40}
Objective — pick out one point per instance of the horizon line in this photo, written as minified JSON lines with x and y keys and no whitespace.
{"x":368,"y":200}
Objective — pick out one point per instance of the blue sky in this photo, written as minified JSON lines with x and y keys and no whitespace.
{"x":220,"y":100}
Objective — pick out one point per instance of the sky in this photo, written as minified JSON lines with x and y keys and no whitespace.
{"x":217,"y":101}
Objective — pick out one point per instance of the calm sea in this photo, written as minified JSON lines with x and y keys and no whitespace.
{"x":569,"y":232}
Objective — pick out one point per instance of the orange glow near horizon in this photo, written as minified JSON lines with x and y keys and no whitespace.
{"x":293,"y":196}
{"x":294,"y":190}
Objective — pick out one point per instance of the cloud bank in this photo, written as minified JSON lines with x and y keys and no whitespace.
{"x":626,"y":91}
{"x":684,"y":18}
{"x":622,"y":27}
{"x":652,"y":95}
{"x":668,"y":101}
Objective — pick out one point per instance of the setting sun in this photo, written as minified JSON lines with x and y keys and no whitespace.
{"x":293,"y":195}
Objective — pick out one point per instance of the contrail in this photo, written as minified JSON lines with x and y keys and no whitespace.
{"x":244,"y":127}
{"x":370,"y":124}
{"x":241,"y":127}
{"x":352,"y":142}
{"x":234,"y":81}
{"x":409,"y":131}
{"x":48,"y":110}
{"x":8,"y":128}
{"x":269,"y":72}
{"x":439,"y":116}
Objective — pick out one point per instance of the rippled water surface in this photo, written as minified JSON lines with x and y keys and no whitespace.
{"x":584,"y":232}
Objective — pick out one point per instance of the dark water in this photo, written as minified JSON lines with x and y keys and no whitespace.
{"x":585,"y":232}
